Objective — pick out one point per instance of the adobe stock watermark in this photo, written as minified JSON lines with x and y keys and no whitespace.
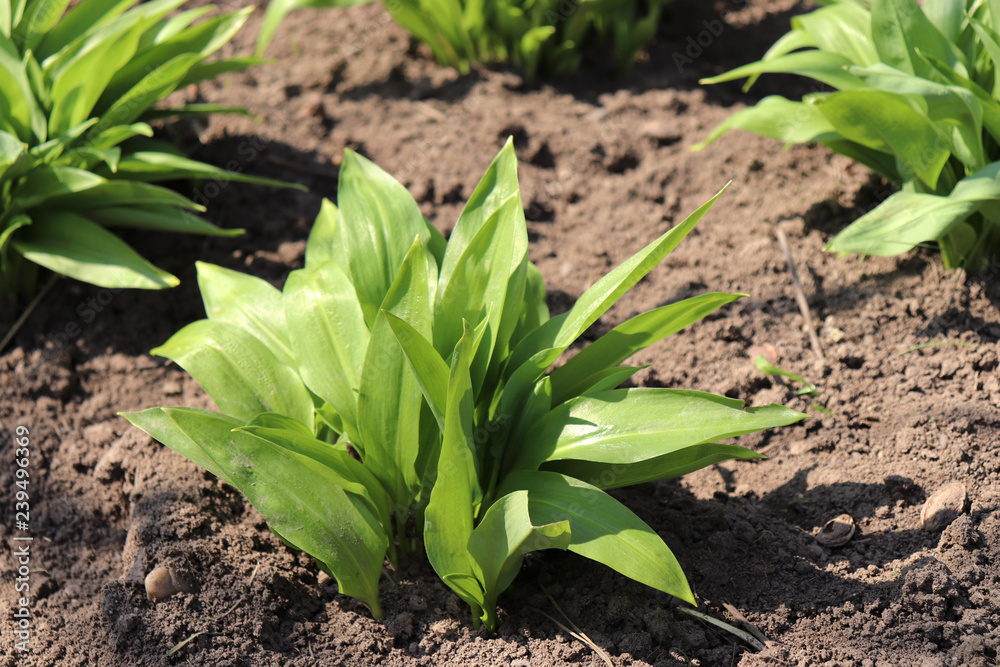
{"x":21,"y":617}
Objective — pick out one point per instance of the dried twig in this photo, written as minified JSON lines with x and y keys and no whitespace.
{"x":576,"y":632}
{"x":192,"y":637}
{"x":27,"y":311}
{"x":745,"y":636}
{"x":800,"y":297}
{"x":743,"y":619}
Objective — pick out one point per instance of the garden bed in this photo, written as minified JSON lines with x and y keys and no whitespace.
{"x":605,"y":168}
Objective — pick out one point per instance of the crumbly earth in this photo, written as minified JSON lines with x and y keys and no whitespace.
{"x":605,"y":168}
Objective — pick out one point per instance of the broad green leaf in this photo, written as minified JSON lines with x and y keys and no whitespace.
{"x":45,"y":183}
{"x":448,"y":519}
{"x":216,"y":68}
{"x":238,"y":371}
{"x":107,"y":137}
{"x":666,"y":466}
{"x":633,"y":425}
{"x":153,"y":87}
{"x":428,"y":366}
{"x":601,"y":529}
{"x":377,"y":224}
{"x":633,"y":335}
{"x":942,"y":73}
{"x":389,"y":396}
{"x":953,"y":106}
{"x":778,"y":118}
{"x":159,"y":218}
{"x":478,"y":287}
{"x":201,"y":40}
{"x":322,"y":244}
{"x":84,"y":16}
{"x":21,"y":115}
{"x":824,"y":66}
{"x":277,"y":10}
{"x":72,"y":245}
{"x":39,"y":17}
{"x":500,"y":541}
{"x":14,"y":157}
{"x":80,"y":83}
{"x":351,"y":475}
{"x":542,"y":347}
{"x":299,"y":496}
{"x":494,"y":190}
{"x":329,"y":338}
{"x":900,"y":223}
{"x":117,"y":193}
{"x":843,"y":28}
{"x":947,"y":15}
{"x":157,"y":166}
{"x":886,"y":122}
{"x":982,"y":186}
{"x":900,"y":28}
{"x":250,"y":303}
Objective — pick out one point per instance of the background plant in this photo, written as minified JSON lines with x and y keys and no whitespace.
{"x":398,"y":388}
{"x":916,"y":100}
{"x":77,"y":87}
{"x":541,"y":37}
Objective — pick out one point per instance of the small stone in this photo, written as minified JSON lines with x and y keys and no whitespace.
{"x":161,"y":583}
{"x":837,"y":531}
{"x":943,"y":507}
{"x":770,"y":353}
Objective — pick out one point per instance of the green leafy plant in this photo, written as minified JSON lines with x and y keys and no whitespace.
{"x":916,"y":100}
{"x":541,"y":38}
{"x":77,"y":88}
{"x":399,"y":388}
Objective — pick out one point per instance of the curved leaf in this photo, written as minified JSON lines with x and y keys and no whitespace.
{"x":601,"y":529}
{"x":238,"y":372}
{"x":250,"y":303}
{"x":633,"y":425}
{"x":301,"y":498}
{"x":500,"y":541}
{"x":573,"y":378}
{"x":327,"y":331}
{"x":74,"y":246}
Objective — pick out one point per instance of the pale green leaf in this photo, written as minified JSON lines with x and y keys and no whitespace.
{"x":601,"y":529}
{"x":500,"y":541}
{"x":574,"y":377}
{"x":448,"y":518}
{"x":250,"y":303}
{"x":238,"y":371}
{"x":300,"y":497}
{"x":633,"y":425}
{"x":72,"y":245}
{"x":328,"y":335}
{"x":389,"y":397}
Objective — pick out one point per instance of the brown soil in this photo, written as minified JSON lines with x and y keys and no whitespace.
{"x":605,"y":168}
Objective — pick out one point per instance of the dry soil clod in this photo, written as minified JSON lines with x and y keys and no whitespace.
{"x":161,"y":583}
{"x":943,"y":507}
{"x":837,"y":531}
